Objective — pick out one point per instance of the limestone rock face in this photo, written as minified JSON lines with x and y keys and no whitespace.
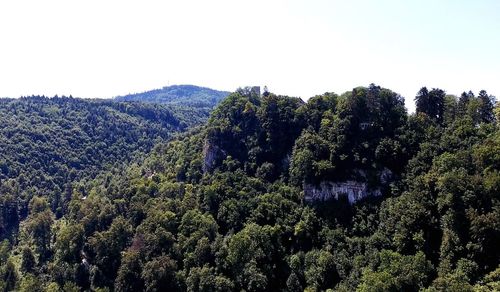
{"x":327,"y":190}
{"x":212,"y":155}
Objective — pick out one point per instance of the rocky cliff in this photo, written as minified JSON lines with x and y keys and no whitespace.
{"x":212,"y":155}
{"x":327,"y":190}
{"x":353,"y":190}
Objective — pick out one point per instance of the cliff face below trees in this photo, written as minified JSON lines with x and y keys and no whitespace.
{"x":353,"y":190}
{"x":212,"y":155}
{"x":327,"y":190}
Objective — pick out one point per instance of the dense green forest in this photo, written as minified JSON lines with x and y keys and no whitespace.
{"x":342,"y":192}
{"x":48,"y":145}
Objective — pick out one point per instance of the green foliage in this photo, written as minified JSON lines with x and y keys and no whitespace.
{"x":28,"y":260}
{"x":49,"y":144}
{"x":10,"y":276}
{"x":360,"y":133}
{"x":30,"y":283}
{"x":256,"y":132}
{"x":396,"y":272}
{"x":159,"y":274}
{"x":105,"y":249}
{"x":431,"y":103}
{"x":222,"y":208}
{"x":129,"y":275}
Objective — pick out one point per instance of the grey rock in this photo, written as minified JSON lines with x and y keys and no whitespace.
{"x":327,"y":190}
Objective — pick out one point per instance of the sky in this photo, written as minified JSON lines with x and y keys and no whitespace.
{"x":97,"y":48}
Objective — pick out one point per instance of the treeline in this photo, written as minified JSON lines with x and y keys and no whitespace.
{"x":222,"y":208}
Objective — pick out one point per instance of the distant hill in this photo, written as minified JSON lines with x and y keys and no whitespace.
{"x":191,"y":104}
{"x":184,"y":95}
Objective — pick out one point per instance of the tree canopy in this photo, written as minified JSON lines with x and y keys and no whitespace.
{"x":222,"y":207}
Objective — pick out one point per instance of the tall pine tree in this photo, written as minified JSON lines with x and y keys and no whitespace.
{"x":486,"y":108}
{"x":431,"y":103}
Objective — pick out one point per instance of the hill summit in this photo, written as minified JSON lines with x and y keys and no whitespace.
{"x":184,"y":95}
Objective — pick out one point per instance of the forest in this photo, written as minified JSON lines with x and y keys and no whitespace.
{"x":344,"y":192}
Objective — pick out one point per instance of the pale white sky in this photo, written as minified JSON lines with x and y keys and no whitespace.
{"x":301,"y":48}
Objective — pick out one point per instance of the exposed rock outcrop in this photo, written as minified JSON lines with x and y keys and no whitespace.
{"x":212,"y":155}
{"x":326,"y":190}
{"x":353,"y":190}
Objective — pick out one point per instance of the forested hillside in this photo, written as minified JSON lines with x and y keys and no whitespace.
{"x":49,"y":144}
{"x":344,"y":192}
{"x":193,"y":103}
